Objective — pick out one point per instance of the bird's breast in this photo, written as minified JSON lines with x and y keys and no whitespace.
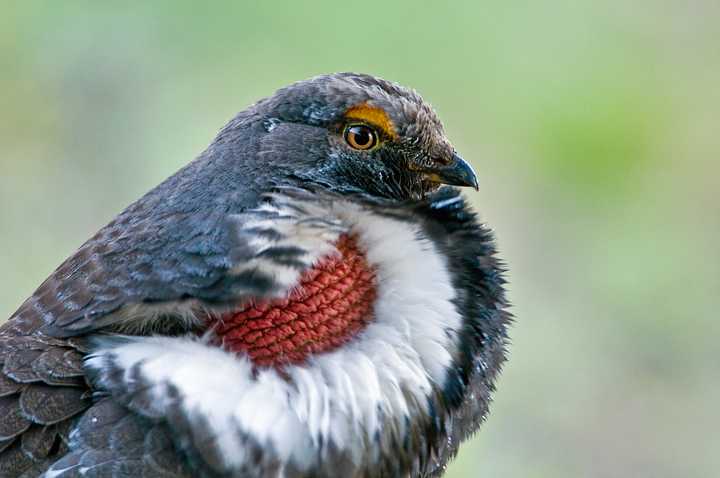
{"x":340,"y":368}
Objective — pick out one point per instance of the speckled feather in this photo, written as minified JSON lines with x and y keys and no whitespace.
{"x":36,"y":412}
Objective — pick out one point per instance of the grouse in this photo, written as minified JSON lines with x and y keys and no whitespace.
{"x":311,"y":296}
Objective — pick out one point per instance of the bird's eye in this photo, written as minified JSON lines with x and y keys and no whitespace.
{"x":361,"y":137}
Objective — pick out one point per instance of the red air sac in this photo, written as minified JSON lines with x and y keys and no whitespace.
{"x":333,"y":302}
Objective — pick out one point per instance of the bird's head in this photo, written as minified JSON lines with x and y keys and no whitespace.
{"x":356,"y":134}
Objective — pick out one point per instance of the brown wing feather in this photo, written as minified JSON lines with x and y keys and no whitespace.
{"x":42,"y":390}
{"x":38,"y":441}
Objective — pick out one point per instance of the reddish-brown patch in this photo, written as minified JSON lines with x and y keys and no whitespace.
{"x":331,"y":305}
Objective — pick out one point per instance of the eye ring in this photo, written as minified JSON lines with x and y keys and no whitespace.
{"x":360,"y":136}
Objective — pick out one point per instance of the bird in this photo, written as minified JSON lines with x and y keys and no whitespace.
{"x":312,"y":296}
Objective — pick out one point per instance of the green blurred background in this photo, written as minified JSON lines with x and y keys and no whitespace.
{"x":594,"y":127}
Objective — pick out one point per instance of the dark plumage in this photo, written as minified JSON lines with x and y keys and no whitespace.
{"x":239,"y":224}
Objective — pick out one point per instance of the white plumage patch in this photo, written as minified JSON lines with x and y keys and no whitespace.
{"x":306,"y":228}
{"x":344,"y":397}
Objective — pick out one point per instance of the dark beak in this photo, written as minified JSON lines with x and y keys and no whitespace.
{"x":457,"y":172}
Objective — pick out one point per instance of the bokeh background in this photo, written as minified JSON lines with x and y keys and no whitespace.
{"x":595,"y":129}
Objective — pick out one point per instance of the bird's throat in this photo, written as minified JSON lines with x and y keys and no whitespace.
{"x":332,"y":303}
